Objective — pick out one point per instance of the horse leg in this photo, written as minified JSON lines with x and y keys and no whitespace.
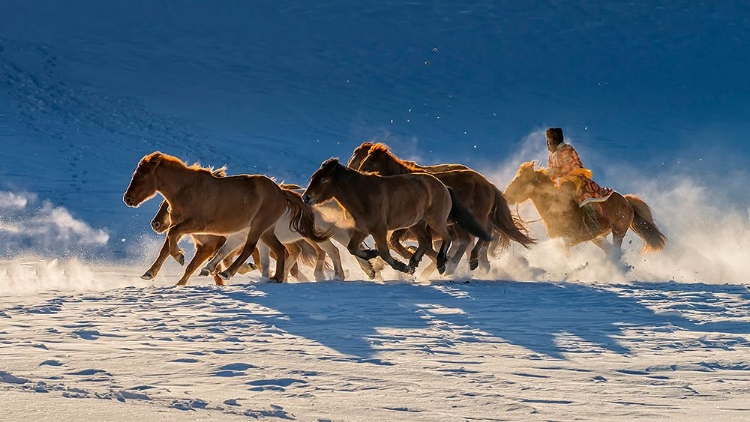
{"x":397,"y":246}
{"x":177,"y":253}
{"x":173,"y":236}
{"x":462,"y":244}
{"x":202,"y":253}
{"x":294,"y":253}
{"x":329,"y":248}
{"x":422,"y":232}
{"x":233,"y":242}
{"x":270,"y":239}
{"x":343,"y":236}
{"x":320,"y":262}
{"x":354,"y":247}
{"x":252,"y":240}
{"x":265,"y":260}
{"x":381,"y":243}
{"x":442,"y":231}
{"x":484,"y":260}
{"x":474,"y":255}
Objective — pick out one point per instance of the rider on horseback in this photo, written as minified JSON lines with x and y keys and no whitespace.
{"x":565,"y":166}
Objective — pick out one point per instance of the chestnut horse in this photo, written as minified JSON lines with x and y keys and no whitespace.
{"x":382,"y":203}
{"x":562,"y":217}
{"x":206,"y":246}
{"x":485,"y":202}
{"x":360,"y":153}
{"x":203,"y":203}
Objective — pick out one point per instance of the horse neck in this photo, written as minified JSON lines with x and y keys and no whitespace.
{"x":397,"y":167}
{"x":172,"y":178}
{"x":543,"y":196}
{"x":349,"y":187}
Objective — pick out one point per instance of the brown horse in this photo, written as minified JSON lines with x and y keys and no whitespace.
{"x":562,"y":217}
{"x":378,"y":204}
{"x":360,"y":153}
{"x":203,"y":203}
{"x":485,"y":202}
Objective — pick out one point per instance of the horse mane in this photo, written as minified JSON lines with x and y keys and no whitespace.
{"x":330,"y":162}
{"x":159,"y":157}
{"x":364,"y":146}
{"x":393,"y":164}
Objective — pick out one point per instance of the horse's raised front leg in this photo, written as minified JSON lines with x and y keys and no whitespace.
{"x":395,"y":242}
{"x":381,"y":243}
{"x":354,"y":247}
{"x":173,"y":236}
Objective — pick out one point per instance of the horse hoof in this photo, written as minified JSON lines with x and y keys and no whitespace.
{"x":441,"y":269}
{"x":181,"y":283}
{"x":473,"y":265}
{"x":181,"y":259}
{"x":205,"y":272}
{"x":147,"y":276}
{"x":224,"y":275}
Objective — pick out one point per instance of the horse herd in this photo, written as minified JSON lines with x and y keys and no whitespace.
{"x":230,"y":218}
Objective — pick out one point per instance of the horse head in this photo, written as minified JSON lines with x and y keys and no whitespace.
{"x":381,"y":160}
{"x":162,"y":220}
{"x":359,"y":154}
{"x":143,"y":183}
{"x":522,"y":186}
{"x":320,"y":188}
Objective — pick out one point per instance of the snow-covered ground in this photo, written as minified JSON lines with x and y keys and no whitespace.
{"x":654,"y":98}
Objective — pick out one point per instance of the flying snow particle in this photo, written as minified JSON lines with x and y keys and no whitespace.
{"x":427,"y":62}
{"x":434,"y":50}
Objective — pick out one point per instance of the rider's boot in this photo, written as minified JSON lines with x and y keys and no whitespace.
{"x":590,"y":217}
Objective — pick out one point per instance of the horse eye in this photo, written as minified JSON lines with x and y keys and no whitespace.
{"x":324,"y":181}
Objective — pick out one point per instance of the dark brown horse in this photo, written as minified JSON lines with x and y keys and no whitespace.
{"x":485,"y":202}
{"x":378,"y":204}
{"x":203,"y":203}
{"x":559,"y":210}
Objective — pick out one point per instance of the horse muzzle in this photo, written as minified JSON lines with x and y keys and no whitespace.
{"x":129,"y":201}
{"x":308,"y":200}
{"x":157,"y":226}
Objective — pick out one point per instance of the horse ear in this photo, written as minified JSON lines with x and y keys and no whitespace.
{"x":154,"y":158}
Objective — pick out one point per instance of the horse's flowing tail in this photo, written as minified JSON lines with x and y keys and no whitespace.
{"x":302,"y":217}
{"x":509,"y":227}
{"x":644,"y":226}
{"x":465,"y":219}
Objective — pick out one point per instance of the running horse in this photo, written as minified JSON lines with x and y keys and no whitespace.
{"x":562,"y":217}
{"x":202,"y":203}
{"x":483,"y":199}
{"x":378,"y":204}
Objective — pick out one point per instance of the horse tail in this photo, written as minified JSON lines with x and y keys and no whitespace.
{"x":308,"y":254}
{"x":463,"y":217}
{"x":302,"y":217}
{"x":644,"y":225}
{"x":509,"y":227}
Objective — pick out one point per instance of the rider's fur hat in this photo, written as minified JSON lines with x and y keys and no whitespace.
{"x":555,"y":133}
